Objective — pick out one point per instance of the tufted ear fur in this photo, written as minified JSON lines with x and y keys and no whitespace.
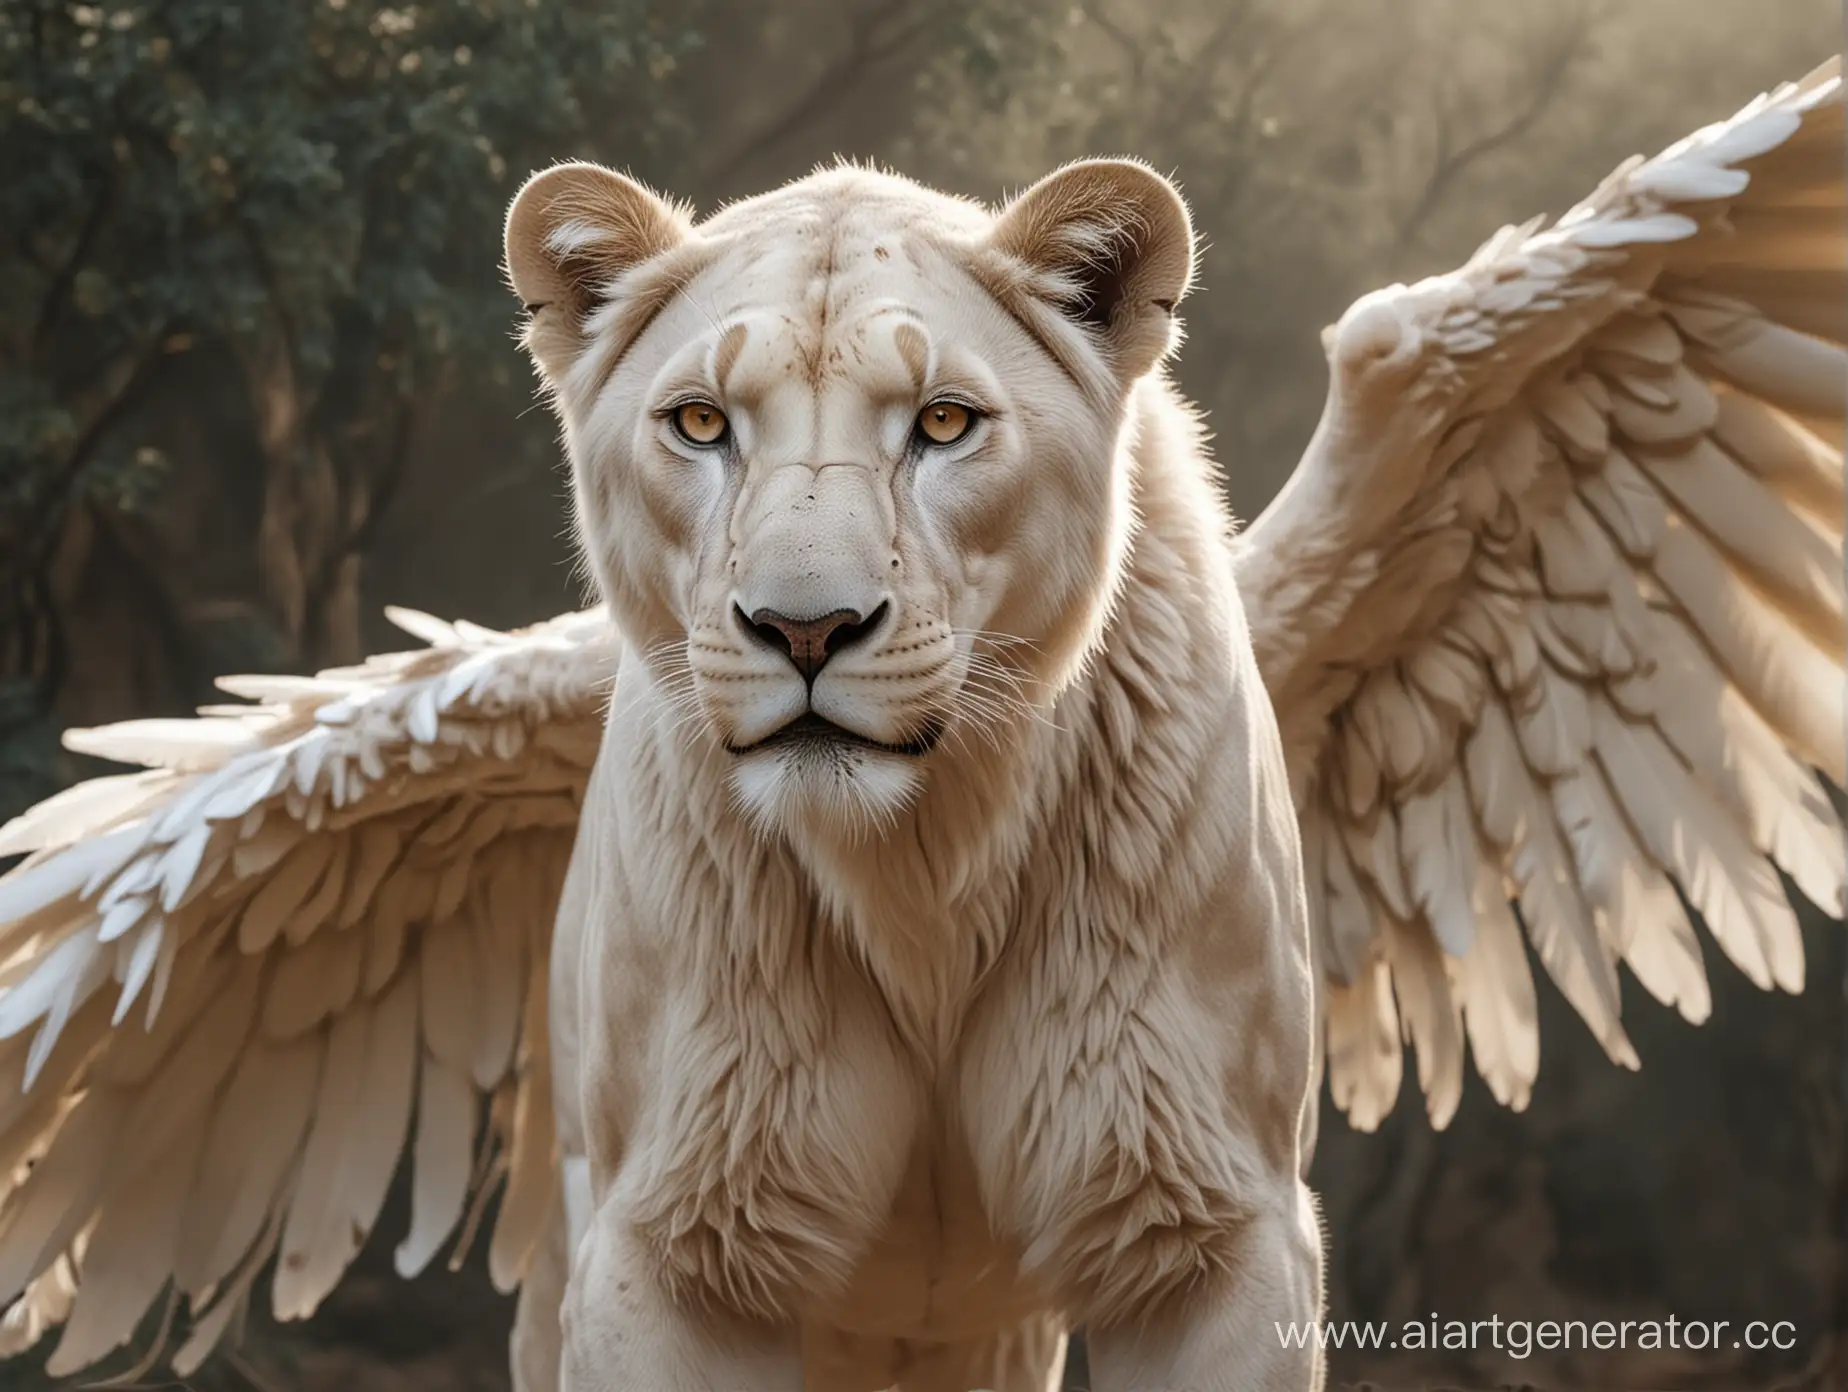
{"x":572,"y":232}
{"x":1112,"y":246}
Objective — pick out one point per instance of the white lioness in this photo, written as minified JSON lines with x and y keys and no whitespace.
{"x":903,"y":1023}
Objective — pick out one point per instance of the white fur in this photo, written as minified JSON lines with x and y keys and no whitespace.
{"x":888,"y":1065}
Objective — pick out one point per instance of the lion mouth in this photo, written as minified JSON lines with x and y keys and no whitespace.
{"x":812,"y":731}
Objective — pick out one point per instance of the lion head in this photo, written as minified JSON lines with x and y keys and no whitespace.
{"x":848,"y":457}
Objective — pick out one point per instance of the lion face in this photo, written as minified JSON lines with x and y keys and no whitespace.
{"x":847,"y":456}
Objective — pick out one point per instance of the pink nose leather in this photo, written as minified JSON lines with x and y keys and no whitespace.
{"x":809,"y":643}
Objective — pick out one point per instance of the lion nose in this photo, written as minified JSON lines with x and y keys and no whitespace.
{"x":810,"y":643}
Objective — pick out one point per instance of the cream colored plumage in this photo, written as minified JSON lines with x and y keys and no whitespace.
{"x":1551,"y":613}
{"x":1555,"y":602}
{"x":245,"y":967}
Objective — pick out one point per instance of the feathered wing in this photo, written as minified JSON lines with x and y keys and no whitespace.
{"x":1552,"y":610}
{"x":236,"y":989}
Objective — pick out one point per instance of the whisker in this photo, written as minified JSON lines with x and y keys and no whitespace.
{"x":991,"y":696}
{"x":974,"y":714}
{"x":999,"y":639}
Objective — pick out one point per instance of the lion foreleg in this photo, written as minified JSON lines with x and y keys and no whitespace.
{"x":536,"y":1337}
{"x":623,"y":1330}
{"x":1254,"y":1326}
{"x":754,"y":1180}
{"x":1028,"y":1359}
{"x":1143,"y":1150}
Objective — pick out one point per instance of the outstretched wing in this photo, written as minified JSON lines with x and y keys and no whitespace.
{"x":229,"y":984}
{"x":1552,"y":610}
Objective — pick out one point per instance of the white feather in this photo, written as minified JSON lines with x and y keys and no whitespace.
{"x":1497,"y":993}
{"x":443,"y":1155}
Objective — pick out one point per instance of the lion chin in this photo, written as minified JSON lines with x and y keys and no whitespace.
{"x":815,"y":773}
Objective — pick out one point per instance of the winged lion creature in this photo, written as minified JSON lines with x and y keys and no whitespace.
{"x":912,"y":913}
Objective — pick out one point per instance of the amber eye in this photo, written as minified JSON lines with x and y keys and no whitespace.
{"x":700,"y":423}
{"x":945,"y":422}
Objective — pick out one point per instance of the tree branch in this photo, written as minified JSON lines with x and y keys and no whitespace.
{"x":866,"y":48}
{"x":279,"y":305}
{"x":38,"y":647}
{"x":55,"y":496}
{"x":58,"y":292}
{"x":1132,"y":48}
{"x":1255,"y":76}
{"x":386,"y":483}
{"x":156,"y":592}
{"x":1450,"y":164}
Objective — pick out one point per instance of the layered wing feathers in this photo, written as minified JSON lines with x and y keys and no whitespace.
{"x":240,"y":986}
{"x":1552,"y":611}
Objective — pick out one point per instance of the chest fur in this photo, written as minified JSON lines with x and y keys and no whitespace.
{"x":936,"y":1270}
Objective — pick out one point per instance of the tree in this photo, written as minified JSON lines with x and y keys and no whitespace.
{"x":255,"y":244}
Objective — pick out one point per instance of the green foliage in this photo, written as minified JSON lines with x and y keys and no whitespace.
{"x":307,"y":195}
{"x":189,"y":169}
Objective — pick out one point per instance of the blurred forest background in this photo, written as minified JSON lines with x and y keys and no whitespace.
{"x":257,"y":379}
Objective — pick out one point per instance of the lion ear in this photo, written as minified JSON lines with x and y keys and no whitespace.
{"x":1113,"y":247}
{"x":572,"y":231}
